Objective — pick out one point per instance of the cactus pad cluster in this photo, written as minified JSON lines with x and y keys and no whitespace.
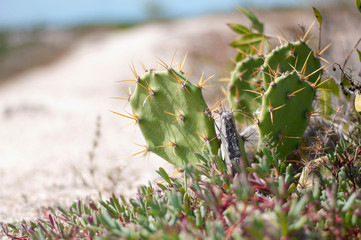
{"x":273,"y":87}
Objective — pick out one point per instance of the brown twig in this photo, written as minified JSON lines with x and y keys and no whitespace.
{"x":349,"y":55}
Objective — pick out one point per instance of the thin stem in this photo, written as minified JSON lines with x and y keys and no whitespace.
{"x":349,"y":55}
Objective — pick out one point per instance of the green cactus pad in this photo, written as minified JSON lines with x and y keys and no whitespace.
{"x":285,"y":108}
{"x":244,"y":86}
{"x":291,"y":56}
{"x":173,"y":116}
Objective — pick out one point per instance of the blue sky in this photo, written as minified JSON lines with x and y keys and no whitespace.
{"x":62,"y":13}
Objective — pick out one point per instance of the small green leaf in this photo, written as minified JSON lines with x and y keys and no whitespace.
{"x":40,"y":234}
{"x":359,"y":53}
{"x":300,"y":205}
{"x":164,"y":175}
{"x":248,"y":39}
{"x":358,"y":5}
{"x":200,"y":157}
{"x":110,"y":209}
{"x":161,"y":186}
{"x":299,"y":224}
{"x":317,"y":15}
{"x":106,"y":220}
{"x":255,"y":23}
{"x":349,"y":202}
{"x":238,"y":28}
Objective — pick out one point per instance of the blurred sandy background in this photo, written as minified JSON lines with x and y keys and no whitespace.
{"x":55,"y":95}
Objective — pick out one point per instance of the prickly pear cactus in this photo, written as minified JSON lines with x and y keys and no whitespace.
{"x":244,"y":86}
{"x":287,"y":102}
{"x":291,"y":56}
{"x":173,"y":116}
{"x":282,"y":85}
{"x":286,"y":106}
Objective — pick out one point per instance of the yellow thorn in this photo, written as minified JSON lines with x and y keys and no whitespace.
{"x":242,"y":52}
{"x":303,"y":70}
{"x":176,"y":172}
{"x":257,"y":97}
{"x":171,"y":144}
{"x":325,"y":48}
{"x":241,"y":74}
{"x":281,"y":136}
{"x":272,"y":109}
{"x":224,"y":80}
{"x":205,"y":139}
{"x":208,"y":112}
{"x":282,"y":34}
{"x":296,"y":62}
{"x":162,"y":63}
{"x":126,"y":99}
{"x":131,"y":116}
{"x":143,"y":66}
{"x":128,"y":95}
{"x":261,"y":45}
{"x":308,"y":30}
{"x":314,"y":72}
{"x":293,"y":94}
{"x":179,"y":117}
{"x":258,"y":51}
{"x":146,"y":150}
{"x":308,"y":41}
{"x":132,"y":68}
{"x":253,"y":91}
{"x":201,"y":83}
{"x":258,"y":85}
{"x":177,"y":77}
{"x":293,"y":67}
{"x":224,"y":91}
{"x":290,"y":137}
{"x":253,"y":119}
{"x":149,"y":89}
{"x":323,"y":82}
{"x":313,"y":113}
{"x":237,"y":94}
{"x":218,"y":101}
{"x":171,"y":62}
{"x":128,"y":80}
{"x":183,"y":84}
{"x":184,"y":60}
{"x":321,"y":58}
{"x":270,"y":75}
{"x":273,"y":72}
